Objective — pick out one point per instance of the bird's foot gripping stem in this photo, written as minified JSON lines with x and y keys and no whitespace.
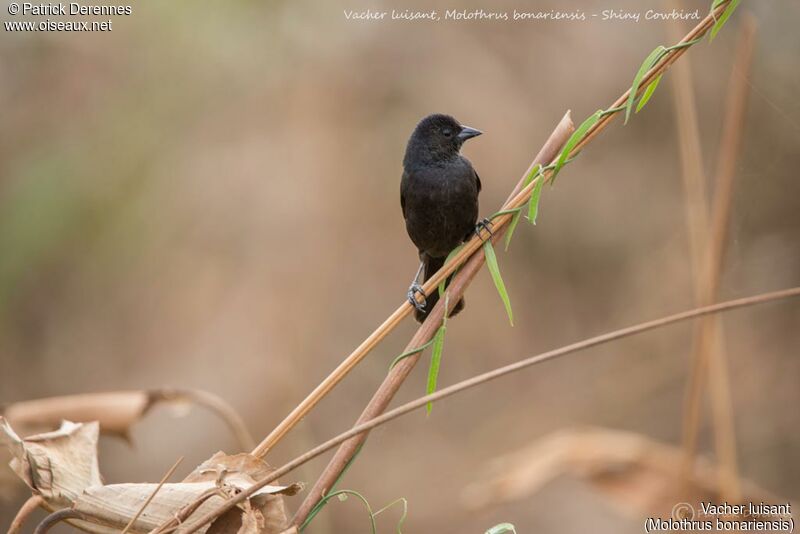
{"x":413,"y":291}
{"x":483,"y":224}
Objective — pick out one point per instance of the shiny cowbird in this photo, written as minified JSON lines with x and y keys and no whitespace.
{"x":439,"y":197}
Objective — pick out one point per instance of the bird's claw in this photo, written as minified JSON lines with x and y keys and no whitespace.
{"x":413,"y":291}
{"x":483,"y":224}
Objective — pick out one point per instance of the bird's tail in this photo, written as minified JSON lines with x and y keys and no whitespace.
{"x":431,"y":266}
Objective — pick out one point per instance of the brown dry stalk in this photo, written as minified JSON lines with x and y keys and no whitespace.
{"x":708,"y":354}
{"x":347,"y":365}
{"x":166,"y":477}
{"x":24,"y":513}
{"x":482,"y":379}
{"x":697,"y":217}
{"x":56,"y":517}
{"x":694,"y":178}
{"x":185,"y":512}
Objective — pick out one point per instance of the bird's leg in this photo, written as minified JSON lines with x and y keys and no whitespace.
{"x":483,"y":224}
{"x":416,"y":289}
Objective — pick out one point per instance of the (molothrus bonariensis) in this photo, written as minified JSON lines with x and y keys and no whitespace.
{"x":439,"y":196}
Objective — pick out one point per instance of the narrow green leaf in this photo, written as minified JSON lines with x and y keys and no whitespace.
{"x":533,"y":203}
{"x":436,"y":360}
{"x":611,"y":111}
{"x":512,"y":226}
{"x":494,"y":270}
{"x":648,"y":92}
{"x":686,"y":44}
{"x":497,"y":214}
{"x":714,"y":6}
{"x":410,"y":353}
{"x":723,"y":18}
{"x":534,"y":172}
{"x":573,"y":140}
{"x":436,"y":356}
{"x":646,"y":65}
{"x":502,"y":528}
{"x":449,"y":257}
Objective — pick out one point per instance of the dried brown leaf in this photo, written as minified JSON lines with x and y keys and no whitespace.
{"x":221,"y":475}
{"x":247,"y":469}
{"x":252,"y":521}
{"x":61,"y":466}
{"x":58,"y":465}
{"x":118,"y":411}
{"x":116,"y":504}
{"x":637,"y":475}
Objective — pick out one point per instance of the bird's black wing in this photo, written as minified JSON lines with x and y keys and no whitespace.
{"x":477,"y":180}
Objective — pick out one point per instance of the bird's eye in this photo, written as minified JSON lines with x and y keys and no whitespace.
{"x":447,"y":132}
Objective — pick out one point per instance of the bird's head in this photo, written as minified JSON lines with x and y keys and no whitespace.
{"x":438,"y":137}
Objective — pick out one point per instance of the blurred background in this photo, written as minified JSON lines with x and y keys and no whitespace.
{"x":208,"y":197}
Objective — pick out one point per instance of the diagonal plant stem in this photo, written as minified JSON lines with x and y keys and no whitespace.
{"x":30,"y":506}
{"x":149,"y":499}
{"x":53,"y":519}
{"x":694,"y":178}
{"x":481,"y":379}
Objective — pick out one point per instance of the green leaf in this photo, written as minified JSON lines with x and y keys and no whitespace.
{"x":649,"y":61}
{"x":449,"y":257}
{"x":534,"y":172}
{"x":648,"y":92}
{"x":512,"y":226}
{"x":436,"y":356}
{"x":573,"y":140}
{"x":502,"y":528}
{"x":714,"y":5}
{"x":533,"y":203}
{"x":436,"y":360}
{"x":494,"y":270}
{"x":410,"y":353}
{"x":723,"y":18}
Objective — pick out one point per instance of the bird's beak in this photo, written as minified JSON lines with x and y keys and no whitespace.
{"x":468,"y":133}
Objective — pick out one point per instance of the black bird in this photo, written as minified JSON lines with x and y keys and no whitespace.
{"x":439,"y":197}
